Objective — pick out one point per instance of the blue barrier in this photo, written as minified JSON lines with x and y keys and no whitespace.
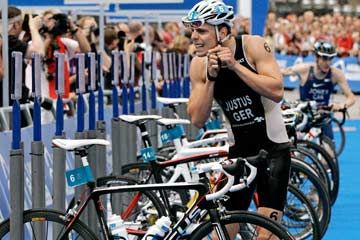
{"x":349,"y":65}
{"x":48,"y":132}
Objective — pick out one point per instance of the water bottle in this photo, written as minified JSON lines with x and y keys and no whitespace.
{"x":117,"y":227}
{"x":190,"y":229}
{"x":159,"y":229}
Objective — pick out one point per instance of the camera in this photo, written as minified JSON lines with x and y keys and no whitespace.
{"x":139,"y":44}
{"x":95,"y":30}
{"x":122,"y":37}
{"x":61,"y":25}
{"x":25,"y":25}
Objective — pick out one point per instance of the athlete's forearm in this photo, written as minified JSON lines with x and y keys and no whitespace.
{"x":287,"y":71}
{"x":350,"y":100}
{"x":269,"y":87}
{"x":200,"y":103}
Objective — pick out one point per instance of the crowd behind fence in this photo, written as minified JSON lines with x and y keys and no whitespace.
{"x":51,"y":32}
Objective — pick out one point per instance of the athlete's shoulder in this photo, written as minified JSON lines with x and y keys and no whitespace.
{"x":198,"y":60}
{"x":337,"y":74}
{"x":248,"y":37}
{"x":256,"y":48}
{"x":197,"y":68}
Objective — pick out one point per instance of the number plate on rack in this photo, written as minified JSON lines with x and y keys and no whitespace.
{"x":148,"y":154}
{"x":79,"y":176}
{"x":171,"y":134}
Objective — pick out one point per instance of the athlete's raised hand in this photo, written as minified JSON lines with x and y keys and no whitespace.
{"x":225,"y":56}
{"x":212,"y":64}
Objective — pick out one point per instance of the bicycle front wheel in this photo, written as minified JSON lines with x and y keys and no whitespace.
{"x":48,"y":224}
{"x":247,"y":225}
{"x":339,"y":136}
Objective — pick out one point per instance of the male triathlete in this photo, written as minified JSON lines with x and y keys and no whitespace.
{"x":242,"y":75}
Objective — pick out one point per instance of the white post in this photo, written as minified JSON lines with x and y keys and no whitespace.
{"x":245,"y":10}
{"x":5,"y":50}
{"x":101,"y":26}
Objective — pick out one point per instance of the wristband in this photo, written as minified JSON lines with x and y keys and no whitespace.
{"x":210,"y":78}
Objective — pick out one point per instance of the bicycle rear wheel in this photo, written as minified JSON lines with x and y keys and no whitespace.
{"x":330,"y":164}
{"x":339,"y":136}
{"x":247,"y":223}
{"x":305,"y":179}
{"x":299,"y":217}
{"x":49,"y":220}
{"x":132,"y":206}
{"x":143,"y":173}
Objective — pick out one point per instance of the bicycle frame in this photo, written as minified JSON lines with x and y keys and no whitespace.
{"x":181,"y":168}
{"x":97,"y":192}
{"x":196,"y":212}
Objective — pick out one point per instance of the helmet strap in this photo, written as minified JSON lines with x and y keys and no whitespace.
{"x":218,"y":38}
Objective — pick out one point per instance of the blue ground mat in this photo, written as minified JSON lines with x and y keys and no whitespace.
{"x":345,"y":219}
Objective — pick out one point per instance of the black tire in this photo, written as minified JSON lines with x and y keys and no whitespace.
{"x":299,"y":217}
{"x":310,"y":158}
{"x":330,"y":164}
{"x":144,"y":174}
{"x":305,"y":179}
{"x":339,"y":145}
{"x":248,"y":222}
{"x":50,"y":218}
{"x":146,"y":199}
{"x":329,"y":146}
{"x":140,"y":171}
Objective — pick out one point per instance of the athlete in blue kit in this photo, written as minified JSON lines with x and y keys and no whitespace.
{"x":317,"y":80}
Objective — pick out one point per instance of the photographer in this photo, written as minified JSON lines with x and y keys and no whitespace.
{"x":55,"y":41}
{"x":15,"y":21}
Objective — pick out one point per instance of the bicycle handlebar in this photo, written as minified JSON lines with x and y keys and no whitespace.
{"x":238,"y":165}
{"x":217,"y":167}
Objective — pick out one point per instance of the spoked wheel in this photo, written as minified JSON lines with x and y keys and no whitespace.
{"x":48,"y":224}
{"x":241,"y":225}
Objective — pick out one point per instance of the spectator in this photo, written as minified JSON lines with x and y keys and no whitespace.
{"x":344,"y":43}
{"x":15,"y":21}
{"x":294,"y":47}
{"x":171,"y":30}
{"x":241,"y":26}
{"x":355,"y":50}
{"x":123,"y":27}
{"x":122,"y":30}
{"x":308,"y":19}
{"x":136,"y":32}
{"x":59,"y":26}
{"x":90,"y":30}
{"x":181,"y":44}
{"x":282,"y":37}
{"x":111,"y":40}
{"x":111,"y":44}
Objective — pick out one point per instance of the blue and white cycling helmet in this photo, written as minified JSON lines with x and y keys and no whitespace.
{"x":213,"y":12}
{"x":324,"y":49}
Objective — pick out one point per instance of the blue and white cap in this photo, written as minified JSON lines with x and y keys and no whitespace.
{"x":213,"y":12}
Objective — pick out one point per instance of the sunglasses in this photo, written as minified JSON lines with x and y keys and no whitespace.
{"x":326,"y":58}
{"x":193,"y":24}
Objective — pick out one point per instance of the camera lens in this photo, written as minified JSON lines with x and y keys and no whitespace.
{"x":139,"y":39}
{"x":121,"y":35}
